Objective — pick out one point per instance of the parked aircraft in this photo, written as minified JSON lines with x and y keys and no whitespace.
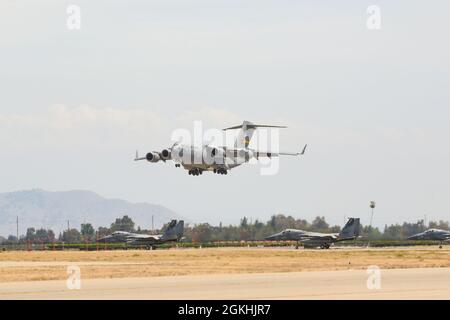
{"x":432,"y":234}
{"x":174,"y":232}
{"x":218,"y":159}
{"x":317,"y":239}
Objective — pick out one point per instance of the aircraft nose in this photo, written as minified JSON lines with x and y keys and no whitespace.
{"x":273,"y":237}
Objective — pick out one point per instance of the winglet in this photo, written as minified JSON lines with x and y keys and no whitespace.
{"x":304,"y":150}
{"x":137,"y":157}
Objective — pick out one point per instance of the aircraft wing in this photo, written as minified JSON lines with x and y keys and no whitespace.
{"x":143,"y":238}
{"x":269,"y":154}
{"x":319,"y":237}
{"x":249,"y":153}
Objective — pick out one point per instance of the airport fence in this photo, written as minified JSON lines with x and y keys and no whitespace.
{"x":97,"y":246}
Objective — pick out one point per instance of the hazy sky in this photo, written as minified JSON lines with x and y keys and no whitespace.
{"x":373,"y":105}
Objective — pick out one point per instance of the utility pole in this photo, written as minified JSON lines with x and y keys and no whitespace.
{"x":372,"y":206}
{"x":68,"y":225}
{"x":425,"y":222}
{"x":17,"y":228}
{"x":153,"y":227}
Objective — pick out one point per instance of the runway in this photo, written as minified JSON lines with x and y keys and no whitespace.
{"x":426,"y":283}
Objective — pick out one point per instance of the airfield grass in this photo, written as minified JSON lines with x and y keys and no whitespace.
{"x":52,"y":265}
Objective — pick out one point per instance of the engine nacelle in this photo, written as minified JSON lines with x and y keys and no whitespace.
{"x":166,"y":154}
{"x":214,"y":155}
{"x":152,"y":157}
{"x":245,"y":154}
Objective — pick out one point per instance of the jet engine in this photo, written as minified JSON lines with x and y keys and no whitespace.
{"x":152,"y":157}
{"x":215,"y":155}
{"x":246,"y":154}
{"x":166,"y":154}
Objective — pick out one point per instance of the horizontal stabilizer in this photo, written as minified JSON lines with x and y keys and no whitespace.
{"x":252,"y":126}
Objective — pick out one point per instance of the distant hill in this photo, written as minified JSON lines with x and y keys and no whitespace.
{"x":38,"y":208}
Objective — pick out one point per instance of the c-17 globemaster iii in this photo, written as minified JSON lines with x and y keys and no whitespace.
{"x":317,"y":239}
{"x":432,"y":234}
{"x":173,"y":233}
{"x":218,"y":159}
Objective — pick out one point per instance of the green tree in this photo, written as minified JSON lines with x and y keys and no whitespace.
{"x":43,"y":235}
{"x":201,"y":233}
{"x":439,"y":225}
{"x":71,"y":236}
{"x":102,"y":232}
{"x":319,"y":224}
{"x":87,"y":231}
{"x":123,"y":224}
{"x":30,"y":235}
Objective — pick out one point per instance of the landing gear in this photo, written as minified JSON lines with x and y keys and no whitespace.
{"x":177,"y":165}
{"x":220,"y":171}
{"x":195,"y":172}
{"x":325,"y":246}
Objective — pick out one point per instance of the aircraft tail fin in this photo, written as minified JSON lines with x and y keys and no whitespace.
{"x":246,"y":131}
{"x":174,"y":230}
{"x":351,"y":228}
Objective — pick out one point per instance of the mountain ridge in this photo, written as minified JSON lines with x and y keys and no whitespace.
{"x":40,"y":208}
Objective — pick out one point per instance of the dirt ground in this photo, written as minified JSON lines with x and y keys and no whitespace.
{"x":52,"y":265}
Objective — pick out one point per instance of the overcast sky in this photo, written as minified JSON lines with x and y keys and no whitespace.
{"x":373,"y":105}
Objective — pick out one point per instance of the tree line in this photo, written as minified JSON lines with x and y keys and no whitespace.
{"x":205,"y":232}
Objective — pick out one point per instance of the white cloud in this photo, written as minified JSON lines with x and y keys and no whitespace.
{"x":87,"y":127}
{"x":62,"y":126}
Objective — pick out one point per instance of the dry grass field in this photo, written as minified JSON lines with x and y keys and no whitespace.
{"x":52,"y":265}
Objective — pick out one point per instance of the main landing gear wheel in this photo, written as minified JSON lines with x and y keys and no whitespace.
{"x":220,"y":171}
{"x":195,"y":172}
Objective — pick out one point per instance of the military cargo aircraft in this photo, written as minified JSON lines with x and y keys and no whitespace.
{"x":218,"y":159}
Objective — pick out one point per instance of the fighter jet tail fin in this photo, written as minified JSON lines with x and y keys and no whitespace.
{"x":351,"y":229}
{"x":174,"y":231}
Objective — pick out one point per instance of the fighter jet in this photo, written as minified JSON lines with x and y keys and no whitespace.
{"x":218,"y":159}
{"x":173,"y":233}
{"x":432,"y":234}
{"x":317,"y":239}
